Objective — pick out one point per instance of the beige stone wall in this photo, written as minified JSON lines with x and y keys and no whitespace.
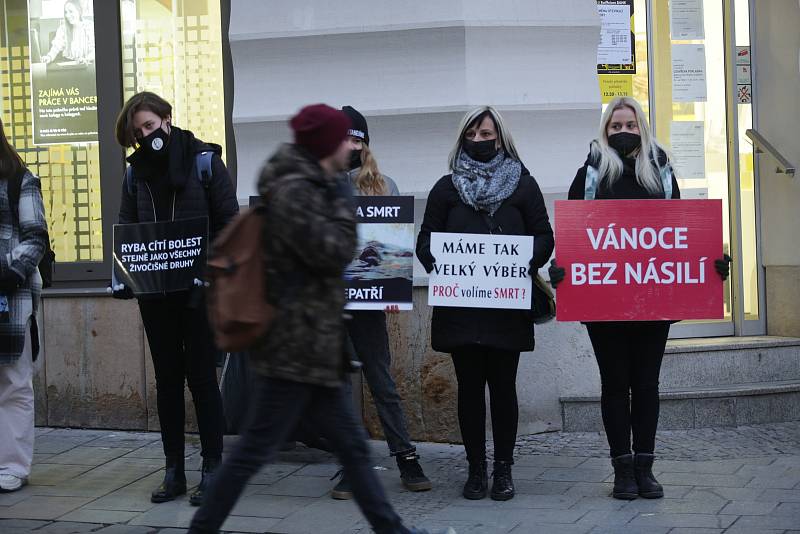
{"x":783,"y":300}
{"x":95,"y":370}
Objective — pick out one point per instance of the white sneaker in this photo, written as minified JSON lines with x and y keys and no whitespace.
{"x":10,"y":483}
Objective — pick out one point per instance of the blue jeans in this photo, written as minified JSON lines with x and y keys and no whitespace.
{"x":367,"y":331}
{"x":275,"y":412}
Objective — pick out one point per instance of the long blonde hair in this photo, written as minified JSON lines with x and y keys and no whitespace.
{"x":610,"y":164}
{"x":503,"y":133}
{"x":369,"y":180}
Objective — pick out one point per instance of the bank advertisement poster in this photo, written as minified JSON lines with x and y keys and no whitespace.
{"x":639,"y":260}
{"x":382,"y":271}
{"x":62,"y":63}
{"x":160,"y":257}
{"x":480,"y":271}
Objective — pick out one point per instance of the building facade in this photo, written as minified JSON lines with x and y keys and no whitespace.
{"x":238,"y":70}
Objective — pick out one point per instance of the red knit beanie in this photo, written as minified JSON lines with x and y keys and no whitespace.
{"x":320,"y":129}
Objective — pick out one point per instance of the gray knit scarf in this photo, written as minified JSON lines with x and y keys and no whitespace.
{"x":484,"y":186}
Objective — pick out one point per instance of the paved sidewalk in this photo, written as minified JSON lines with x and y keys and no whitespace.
{"x":744,"y":480}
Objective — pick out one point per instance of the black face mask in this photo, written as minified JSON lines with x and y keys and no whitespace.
{"x":155,"y":144}
{"x":625,"y":142}
{"x":482,"y":151}
{"x":355,"y":159}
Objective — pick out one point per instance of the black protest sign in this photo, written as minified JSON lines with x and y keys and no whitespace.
{"x":382,"y":271}
{"x":160,"y":257}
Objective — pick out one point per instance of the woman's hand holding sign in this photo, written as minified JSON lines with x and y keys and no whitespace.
{"x":723,"y":266}
{"x":557,"y":273}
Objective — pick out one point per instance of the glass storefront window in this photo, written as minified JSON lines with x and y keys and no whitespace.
{"x":47,"y":73}
{"x":174,"y":48}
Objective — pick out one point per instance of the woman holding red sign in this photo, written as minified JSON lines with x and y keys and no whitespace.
{"x":626,"y":162}
{"x":489,"y":191}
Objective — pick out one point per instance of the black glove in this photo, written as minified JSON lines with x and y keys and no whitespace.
{"x":121,"y":292}
{"x":723,"y":266}
{"x":10,"y":282}
{"x":557,"y":274}
{"x":428,"y":262}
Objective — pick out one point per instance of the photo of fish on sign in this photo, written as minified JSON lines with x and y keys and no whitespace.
{"x":381,"y":273}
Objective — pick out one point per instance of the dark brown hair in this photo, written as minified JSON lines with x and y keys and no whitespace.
{"x":144,"y":101}
{"x":10,"y":161}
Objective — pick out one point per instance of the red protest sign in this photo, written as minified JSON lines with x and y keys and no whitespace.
{"x":639,"y":260}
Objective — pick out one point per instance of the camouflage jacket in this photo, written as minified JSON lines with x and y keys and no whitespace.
{"x":310,"y":237}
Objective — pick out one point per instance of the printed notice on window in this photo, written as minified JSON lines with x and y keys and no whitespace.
{"x":689,"y":73}
{"x":62,"y":65}
{"x":616,"y":41}
{"x":686,"y":19}
{"x":687,"y":141}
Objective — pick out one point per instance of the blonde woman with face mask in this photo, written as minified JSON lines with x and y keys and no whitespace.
{"x":626,"y":162}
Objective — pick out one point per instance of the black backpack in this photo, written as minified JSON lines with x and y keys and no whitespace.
{"x":49,"y":258}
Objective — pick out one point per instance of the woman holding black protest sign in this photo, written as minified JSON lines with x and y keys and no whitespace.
{"x":488,"y":191}
{"x":627,"y":162}
{"x":367,"y":328}
{"x":166,"y":181}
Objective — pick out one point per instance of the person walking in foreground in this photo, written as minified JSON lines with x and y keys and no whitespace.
{"x":488,"y":191}
{"x":626,"y":162}
{"x":367,"y":328}
{"x":23,"y":241}
{"x":165,"y":184}
{"x":309,"y":238}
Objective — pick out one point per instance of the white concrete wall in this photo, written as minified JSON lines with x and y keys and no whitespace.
{"x":413,"y":69}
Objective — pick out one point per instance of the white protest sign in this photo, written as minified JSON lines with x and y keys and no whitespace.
{"x":480,"y":271}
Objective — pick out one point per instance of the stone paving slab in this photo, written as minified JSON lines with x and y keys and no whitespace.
{"x":744,"y":480}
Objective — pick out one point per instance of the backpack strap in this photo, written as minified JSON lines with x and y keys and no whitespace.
{"x":666,"y":180}
{"x":591,"y":183}
{"x":202,"y":165}
{"x":130,"y":181}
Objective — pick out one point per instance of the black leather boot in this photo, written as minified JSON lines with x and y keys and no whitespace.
{"x":649,"y":488}
{"x":477,"y":483}
{"x":174,"y":483}
{"x":625,"y":487}
{"x":210,"y":467}
{"x":502,"y":484}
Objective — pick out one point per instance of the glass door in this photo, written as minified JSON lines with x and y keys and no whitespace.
{"x":700,"y":94}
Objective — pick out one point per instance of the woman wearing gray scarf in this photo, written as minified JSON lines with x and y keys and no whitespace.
{"x":488,"y":191}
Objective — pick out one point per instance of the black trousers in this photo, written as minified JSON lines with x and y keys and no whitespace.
{"x":629,"y":357}
{"x":477,"y":366}
{"x":274,"y":413}
{"x":183,"y":351}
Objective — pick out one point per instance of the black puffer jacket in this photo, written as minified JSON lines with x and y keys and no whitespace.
{"x":523,"y":213}
{"x":176,"y":184}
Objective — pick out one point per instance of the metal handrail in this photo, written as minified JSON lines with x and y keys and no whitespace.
{"x":761,"y":145}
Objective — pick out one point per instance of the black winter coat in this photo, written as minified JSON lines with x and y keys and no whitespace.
{"x":157,"y":187}
{"x":523,"y":213}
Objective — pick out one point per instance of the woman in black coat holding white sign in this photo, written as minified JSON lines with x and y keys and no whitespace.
{"x":165,"y":183}
{"x":488,"y":191}
{"x":626,"y":162}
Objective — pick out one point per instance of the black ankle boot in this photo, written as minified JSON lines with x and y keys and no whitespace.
{"x":625,"y":487}
{"x":477,"y":483}
{"x":207,"y":472}
{"x":503,"y":484}
{"x":174,"y":483}
{"x":649,"y":488}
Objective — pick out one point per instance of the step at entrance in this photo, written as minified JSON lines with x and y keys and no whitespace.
{"x":714,"y":383}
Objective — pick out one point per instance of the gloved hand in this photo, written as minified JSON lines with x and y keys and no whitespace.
{"x":557,"y":274}
{"x":10,"y":282}
{"x":532,"y":270}
{"x":120,"y":291}
{"x":427,"y":263}
{"x":723,"y":266}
